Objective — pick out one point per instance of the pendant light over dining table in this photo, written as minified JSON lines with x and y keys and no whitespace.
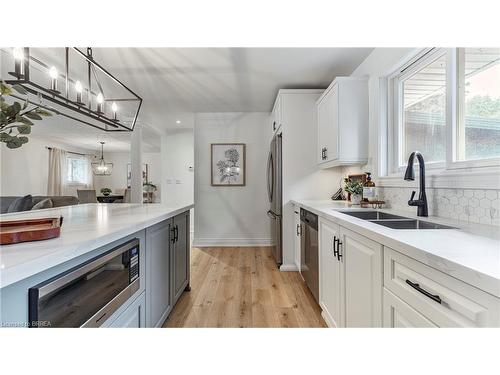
{"x":102,"y":168}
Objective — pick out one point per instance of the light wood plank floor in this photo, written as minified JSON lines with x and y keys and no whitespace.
{"x":242,"y":287}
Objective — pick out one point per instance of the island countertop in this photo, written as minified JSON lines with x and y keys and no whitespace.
{"x":86,"y":227}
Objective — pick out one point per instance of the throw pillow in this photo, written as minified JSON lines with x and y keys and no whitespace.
{"x":45,"y":203}
{"x":21,"y":204}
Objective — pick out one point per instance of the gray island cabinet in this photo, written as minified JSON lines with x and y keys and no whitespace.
{"x":163,"y":275}
{"x":167,"y":248}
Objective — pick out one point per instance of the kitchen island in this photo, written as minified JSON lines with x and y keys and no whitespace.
{"x":88,"y":232}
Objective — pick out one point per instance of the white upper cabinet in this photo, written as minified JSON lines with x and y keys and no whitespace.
{"x":343,"y":123}
{"x":276,"y":118}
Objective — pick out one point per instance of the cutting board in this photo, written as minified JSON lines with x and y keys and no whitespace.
{"x":16,"y":231}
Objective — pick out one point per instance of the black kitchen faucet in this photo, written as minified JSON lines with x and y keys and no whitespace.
{"x":421,"y":202}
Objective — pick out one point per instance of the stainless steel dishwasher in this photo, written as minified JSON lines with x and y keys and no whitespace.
{"x":309,"y":251}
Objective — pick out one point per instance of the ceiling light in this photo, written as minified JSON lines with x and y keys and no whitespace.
{"x":100,"y":100}
{"x":64,"y":102}
{"x":114,"y":107}
{"x":53,"y":79}
{"x":102,"y":168}
{"x":178,"y":122}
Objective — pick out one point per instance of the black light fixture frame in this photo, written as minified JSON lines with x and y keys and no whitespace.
{"x":63,"y":99}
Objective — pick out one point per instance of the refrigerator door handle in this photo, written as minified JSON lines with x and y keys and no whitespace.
{"x":270,"y":177}
{"x":271,"y":215}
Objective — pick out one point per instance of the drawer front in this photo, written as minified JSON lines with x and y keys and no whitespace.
{"x":398,"y":314}
{"x":444,"y":300}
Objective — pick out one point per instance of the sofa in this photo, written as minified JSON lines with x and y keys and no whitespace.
{"x":57,"y":201}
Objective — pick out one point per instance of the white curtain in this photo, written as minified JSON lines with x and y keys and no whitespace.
{"x":57,"y":172}
{"x":90,"y":174}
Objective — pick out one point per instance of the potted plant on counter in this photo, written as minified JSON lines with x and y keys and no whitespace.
{"x":355,"y":188}
{"x":106,"y":191}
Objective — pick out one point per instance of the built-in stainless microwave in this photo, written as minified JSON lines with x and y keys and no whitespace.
{"x":87,"y":295}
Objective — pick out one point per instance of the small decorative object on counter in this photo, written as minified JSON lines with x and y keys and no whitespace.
{"x":106,"y":191}
{"x":355,"y":189}
{"x":369,"y":193}
{"x":373,"y":204}
{"x":338,"y":195}
{"x":27,"y":230}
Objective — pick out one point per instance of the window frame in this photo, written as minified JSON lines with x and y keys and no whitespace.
{"x":454,"y":114}
{"x":75,"y":183}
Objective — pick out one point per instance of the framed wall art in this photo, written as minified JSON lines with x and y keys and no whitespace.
{"x":228,"y":164}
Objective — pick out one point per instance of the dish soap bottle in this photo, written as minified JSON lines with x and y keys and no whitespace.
{"x":369,"y":189}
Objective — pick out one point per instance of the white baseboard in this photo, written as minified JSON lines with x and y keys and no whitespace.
{"x":288,"y":267}
{"x":232,"y":242}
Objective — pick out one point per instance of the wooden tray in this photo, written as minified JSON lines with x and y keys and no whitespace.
{"x":16,"y":231}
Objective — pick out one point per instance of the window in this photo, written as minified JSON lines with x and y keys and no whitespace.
{"x":446,"y":104}
{"x":77,"y":169}
{"x":479,"y":119}
{"x":424,"y":111}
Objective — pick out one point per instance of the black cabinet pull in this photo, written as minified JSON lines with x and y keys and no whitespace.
{"x":417,"y":287}
{"x":335,"y":251}
{"x":172,"y":239}
{"x":274,"y":125}
{"x":176,"y":233}
{"x":339,"y":255}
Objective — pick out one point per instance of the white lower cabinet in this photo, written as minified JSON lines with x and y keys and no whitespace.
{"x":329,"y":270}
{"x":362,"y":259}
{"x":350,"y":277}
{"x":134,"y":316}
{"x":440,"y":298}
{"x":398,"y":314}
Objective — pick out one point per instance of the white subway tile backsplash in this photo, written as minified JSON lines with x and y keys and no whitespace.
{"x":472,"y":205}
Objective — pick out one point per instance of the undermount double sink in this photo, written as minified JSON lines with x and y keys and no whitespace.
{"x":394,"y":221}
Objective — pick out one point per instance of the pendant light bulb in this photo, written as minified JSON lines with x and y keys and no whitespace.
{"x":18,"y":53}
{"x":100,"y":98}
{"x":114,"y":107}
{"x":53,"y":73}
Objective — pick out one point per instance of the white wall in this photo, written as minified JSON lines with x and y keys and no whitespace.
{"x":25,"y":170}
{"x":231,"y":216}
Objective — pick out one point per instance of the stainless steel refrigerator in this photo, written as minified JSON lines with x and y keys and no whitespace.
{"x":274,"y":191}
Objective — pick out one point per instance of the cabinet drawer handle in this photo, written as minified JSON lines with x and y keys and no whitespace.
{"x":298,"y":229}
{"x":339,"y":255}
{"x":335,"y":251}
{"x":417,"y":287}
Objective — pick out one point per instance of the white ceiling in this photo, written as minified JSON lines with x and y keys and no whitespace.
{"x":176,"y":82}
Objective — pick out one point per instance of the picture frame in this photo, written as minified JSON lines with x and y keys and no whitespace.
{"x":228,"y":164}
{"x":144,"y":174}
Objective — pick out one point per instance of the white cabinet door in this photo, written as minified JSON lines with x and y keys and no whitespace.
{"x":398,"y":314}
{"x":362,"y":259}
{"x":298,"y":231}
{"x":134,"y":316}
{"x":330,"y":296}
{"x":328,"y":126}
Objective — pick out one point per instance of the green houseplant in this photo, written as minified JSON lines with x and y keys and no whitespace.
{"x":355,"y":188}
{"x":16,"y":118}
{"x":106,"y":191}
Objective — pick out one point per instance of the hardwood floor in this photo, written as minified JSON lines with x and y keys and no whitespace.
{"x":242,"y":287}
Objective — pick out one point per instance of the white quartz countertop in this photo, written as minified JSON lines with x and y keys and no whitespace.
{"x":470,"y":253}
{"x":85,"y":228}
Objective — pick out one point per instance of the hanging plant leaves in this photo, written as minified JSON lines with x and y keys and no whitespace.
{"x":33,"y":116}
{"x":43,"y":112}
{"x":24,"y":129}
{"x":4,"y":89}
{"x":15,"y":142}
{"x":25,"y":105}
{"x":23,"y":140}
{"x":20,"y":89}
{"x":23,"y":120}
